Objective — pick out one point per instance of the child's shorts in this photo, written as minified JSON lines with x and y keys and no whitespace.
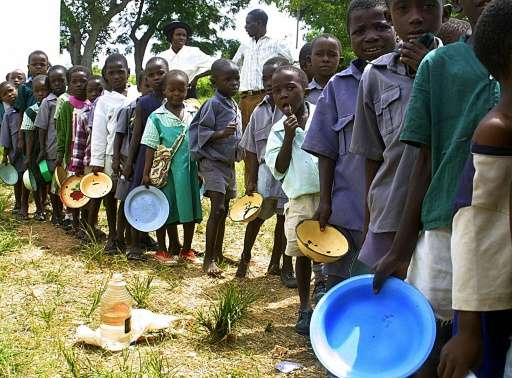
{"x":218,"y":177}
{"x":295,"y":211}
{"x":430,"y":270}
{"x":271,"y":206}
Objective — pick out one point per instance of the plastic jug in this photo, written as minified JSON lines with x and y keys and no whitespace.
{"x":116,"y":311}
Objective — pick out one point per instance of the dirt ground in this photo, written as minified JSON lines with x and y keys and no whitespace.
{"x":47,"y":282}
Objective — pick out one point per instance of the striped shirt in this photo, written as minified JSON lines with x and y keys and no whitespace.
{"x":252,"y":55}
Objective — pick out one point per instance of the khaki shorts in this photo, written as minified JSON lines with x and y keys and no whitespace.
{"x":295,"y":211}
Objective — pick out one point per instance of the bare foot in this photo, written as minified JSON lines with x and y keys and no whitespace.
{"x":212,"y":269}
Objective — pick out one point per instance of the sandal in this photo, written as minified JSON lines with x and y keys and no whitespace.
{"x":164,"y":257}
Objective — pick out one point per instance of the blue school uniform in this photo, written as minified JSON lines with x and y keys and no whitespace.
{"x":215,"y":115}
{"x":9,"y":137}
{"x":329,"y":136}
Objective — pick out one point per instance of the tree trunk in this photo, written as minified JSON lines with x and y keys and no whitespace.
{"x":75,"y":48}
{"x":140,"y":46}
{"x":89,"y":48}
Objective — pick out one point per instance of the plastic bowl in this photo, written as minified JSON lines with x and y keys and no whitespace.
{"x":146,"y":209}
{"x":8,"y":174}
{"x":29,"y":180}
{"x":45,"y":171}
{"x":356,"y":333}
{"x":96,"y":185}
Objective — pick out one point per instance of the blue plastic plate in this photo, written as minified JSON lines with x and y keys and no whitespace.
{"x":146,"y":209}
{"x":8,"y":174}
{"x":357,"y":334}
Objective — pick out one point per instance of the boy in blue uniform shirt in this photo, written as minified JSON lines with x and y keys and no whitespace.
{"x":342,"y":184}
{"x":215,"y":133}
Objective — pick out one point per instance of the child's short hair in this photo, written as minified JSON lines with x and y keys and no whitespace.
{"x":172,"y":74}
{"x":452,"y":30}
{"x":220,"y":65}
{"x":259,"y":15}
{"x":4,"y":84}
{"x":42,"y":79}
{"x":364,"y":4}
{"x":493,"y":38}
{"x":157,"y":59}
{"x":304,"y":52}
{"x":112,"y":58}
{"x":78,"y":68}
{"x":276,"y":61}
{"x":302,"y":75}
{"x":37,"y":52}
{"x":324,"y":36}
{"x":53,"y":69}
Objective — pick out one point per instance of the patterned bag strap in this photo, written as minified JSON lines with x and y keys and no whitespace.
{"x":177,"y":143}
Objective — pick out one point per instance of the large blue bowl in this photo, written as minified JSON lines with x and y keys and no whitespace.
{"x":146,"y":209}
{"x":358,"y":334}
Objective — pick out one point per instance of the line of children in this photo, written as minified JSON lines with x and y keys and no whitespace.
{"x":168,"y":126}
{"x":406,"y":136}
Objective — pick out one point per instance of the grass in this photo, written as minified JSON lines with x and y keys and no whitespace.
{"x":140,"y":289}
{"x":10,"y":359}
{"x":232,"y":306}
{"x":49,"y":286}
{"x":95,"y":297}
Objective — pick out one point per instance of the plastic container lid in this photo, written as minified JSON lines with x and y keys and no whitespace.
{"x":356,"y":333}
{"x":146,"y":209}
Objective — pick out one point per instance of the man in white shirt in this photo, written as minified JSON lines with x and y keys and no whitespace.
{"x":251,"y":57}
{"x":189,"y":59}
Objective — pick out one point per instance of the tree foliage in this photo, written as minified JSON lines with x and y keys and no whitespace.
{"x":146,"y":19}
{"x":322,"y":16}
{"x":86,"y":25}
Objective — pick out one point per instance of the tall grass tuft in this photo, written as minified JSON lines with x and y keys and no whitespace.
{"x":96,"y":297}
{"x":140,"y":289}
{"x":232,"y":307}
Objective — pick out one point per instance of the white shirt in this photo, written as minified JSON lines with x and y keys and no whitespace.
{"x":189,"y":59}
{"x":105,"y":121}
{"x":253,"y":56}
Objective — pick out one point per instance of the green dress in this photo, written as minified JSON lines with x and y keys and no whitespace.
{"x":182,"y":189}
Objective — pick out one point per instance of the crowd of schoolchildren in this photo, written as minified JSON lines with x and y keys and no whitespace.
{"x":407,"y":151}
